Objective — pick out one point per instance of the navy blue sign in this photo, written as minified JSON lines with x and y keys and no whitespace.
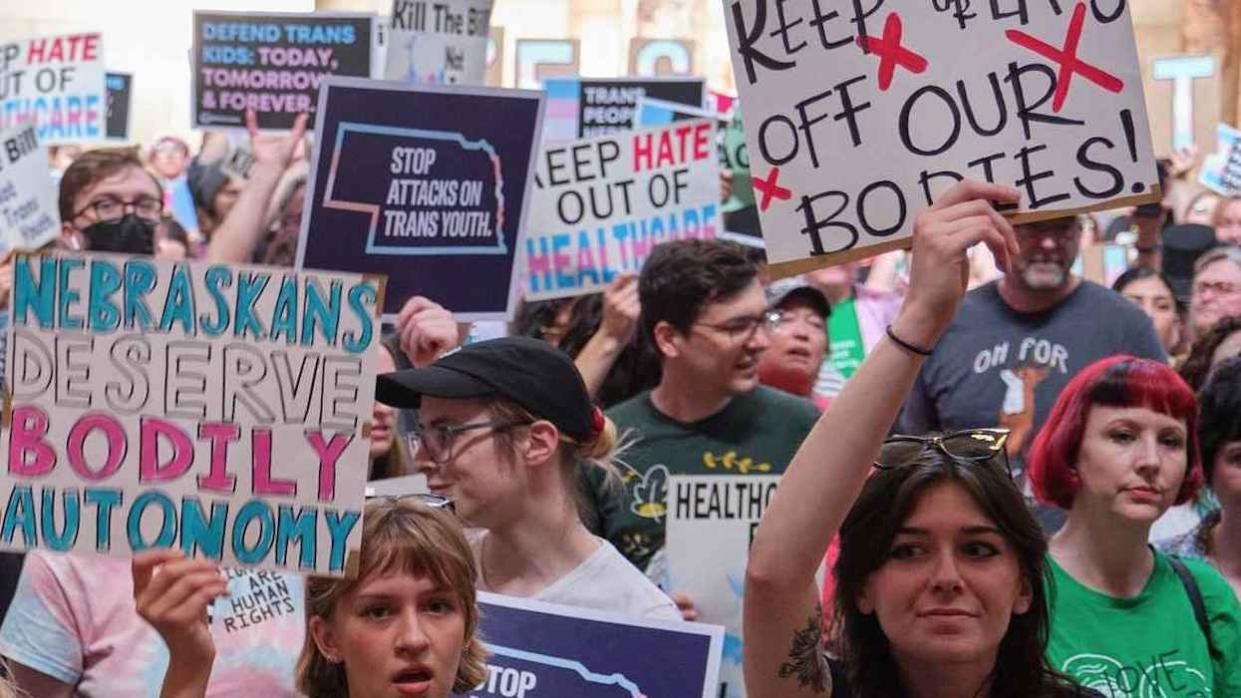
{"x":545,"y":651}
{"x":427,"y":185}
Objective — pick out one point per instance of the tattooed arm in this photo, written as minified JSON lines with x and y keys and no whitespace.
{"x":783,"y":658}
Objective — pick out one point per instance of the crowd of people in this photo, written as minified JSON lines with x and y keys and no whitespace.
{"x":1022,"y":482}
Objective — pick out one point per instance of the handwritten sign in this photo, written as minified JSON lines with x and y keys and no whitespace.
{"x":711,"y":520}
{"x":221,"y":410}
{"x":602,"y":204}
{"x":29,"y":217}
{"x":541,"y":650}
{"x":857,"y":117}
{"x":57,"y":83}
{"x":581,"y":107}
{"x":730,"y":137}
{"x":120,"y":88}
{"x":438,"y":42}
{"x":273,"y":63}
{"x":427,"y":185}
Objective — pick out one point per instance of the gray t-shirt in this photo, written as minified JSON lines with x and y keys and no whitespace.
{"x":998,"y":367}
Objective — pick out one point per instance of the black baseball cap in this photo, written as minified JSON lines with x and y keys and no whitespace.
{"x":527,"y":371}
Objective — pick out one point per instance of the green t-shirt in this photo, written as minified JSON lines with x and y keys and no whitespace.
{"x":1148,"y":646}
{"x":755,"y":434}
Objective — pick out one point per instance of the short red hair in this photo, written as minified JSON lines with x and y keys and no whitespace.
{"x":1117,"y":381}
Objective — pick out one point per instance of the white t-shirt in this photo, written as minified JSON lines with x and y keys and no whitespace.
{"x":605,"y":581}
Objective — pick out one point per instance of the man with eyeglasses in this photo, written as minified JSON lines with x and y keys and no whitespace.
{"x":704,"y":311}
{"x":797,"y":316}
{"x":1017,"y":341}
{"x":110,"y":203}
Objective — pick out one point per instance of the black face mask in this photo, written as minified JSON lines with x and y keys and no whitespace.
{"x":128,"y":235}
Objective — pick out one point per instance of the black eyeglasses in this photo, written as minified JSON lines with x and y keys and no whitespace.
{"x":438,"y":440}
{"x":430,"y":501}
{"x":745,"y":327}
{"x":974,"y":446}
{"x":110,"y":208}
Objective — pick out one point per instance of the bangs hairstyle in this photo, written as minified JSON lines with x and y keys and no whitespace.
{"x":406,"y":537}
{"x":1117,"y":381}
{"x":885,"y":504}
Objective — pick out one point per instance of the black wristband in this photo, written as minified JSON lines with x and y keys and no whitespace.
{"x":906,"y":345}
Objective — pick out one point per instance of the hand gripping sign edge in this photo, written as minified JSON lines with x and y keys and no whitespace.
{"x":373,"y":210}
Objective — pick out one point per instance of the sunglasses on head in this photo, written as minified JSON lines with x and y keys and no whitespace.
{"x":431,"y":501}
{"x":968,"y":446}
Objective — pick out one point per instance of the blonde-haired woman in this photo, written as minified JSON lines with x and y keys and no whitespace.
{"x":504,"y":428}
{"x":406,"y":625}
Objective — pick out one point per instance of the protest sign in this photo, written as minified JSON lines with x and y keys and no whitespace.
{"x":710,"y":522}
{"x":857,"y":118}
{"x":146,"y":400}
{"x":57,"y":82}
{"x":730,"y":136}
{"x":119,"y":97}
{"x":428,"y":185}
{"x":438,"y":42}
{"x":1182,"y":101}
{"x":581,"y":107}
{"x":29,"y":216}
{"x":1102,"y":263}
{"x":541,"y":650}
{"x":273,"y":63}
{"x":660,"y":57}
{"x":540,"y":59}
{"x":602,"y":204}
{"x":1221,"y":170}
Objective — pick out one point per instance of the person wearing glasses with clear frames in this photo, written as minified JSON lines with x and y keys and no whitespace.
{"x":797,"y":319}
{"x":504,"y":427}
{"x":940,"y":586}
{"x":704,"y":312}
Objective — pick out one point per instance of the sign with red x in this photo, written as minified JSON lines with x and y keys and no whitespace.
{"x":858,"y":115}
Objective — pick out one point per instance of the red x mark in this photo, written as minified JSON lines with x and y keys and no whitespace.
{"x":770,"y":189}
{"x":890,"y":51}
{"x":1067,"y":58}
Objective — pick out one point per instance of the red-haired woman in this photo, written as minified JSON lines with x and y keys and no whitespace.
{"x":1119,"y":448}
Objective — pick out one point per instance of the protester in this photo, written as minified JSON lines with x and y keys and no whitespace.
{"x":168,"y":160}
{"x":1228,"y":221}
{"x":601,"y":336}
{"x":503,"y":426}
{"x":1216,"y":288}
{"x":1119,"y":448}
{"x":405,"y":625}
{"x":545,"y":320}
{"x":214,"y":192}
{"x":941,"y":587}
{"x":798,"y":316}
{"x":1017,"y":342}
{"x":172,"y":243}
{"x":109,"y":203}
{"x":1218,"y":538}
{"x":1151,"y":291}
{"x":704,"y":311}
{"x":860,"y":314}
{"x":280,"y":247}
{"x":389,"y":456}
{"x":1222,"y":341}
{"x":1201,"y":208}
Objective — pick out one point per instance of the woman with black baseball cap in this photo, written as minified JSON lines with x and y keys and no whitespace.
{"x":503,"y":428}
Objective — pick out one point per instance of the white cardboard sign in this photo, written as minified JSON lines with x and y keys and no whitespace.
{"x":858,"y":115}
